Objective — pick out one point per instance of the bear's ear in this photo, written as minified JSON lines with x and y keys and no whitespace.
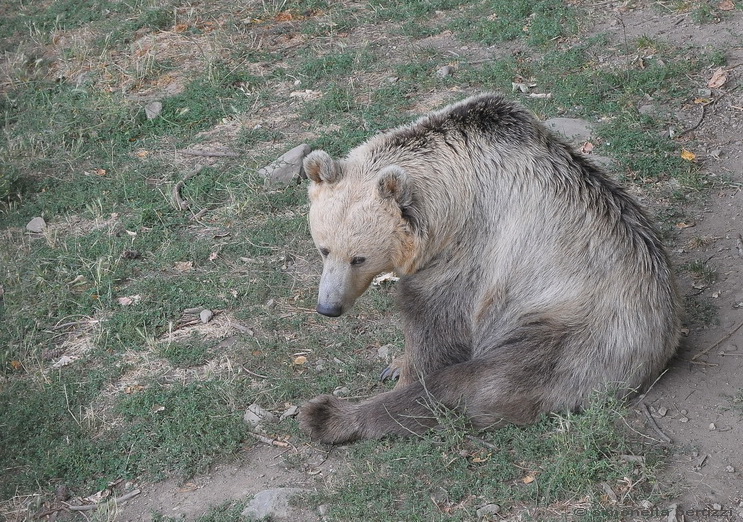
{"x":396,"y":184}
{"x":321,"y":168}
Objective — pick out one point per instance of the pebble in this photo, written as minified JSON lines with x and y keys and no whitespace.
{"x":662,"y":411}
{"x":255,"y":416}
{"x":730,"y":469}
{"x":36,"y":225}
{"x":684,"y":419}
{"x":206,"y":316}
{"x":343,"y":391}
{"x":446,"y":70}
{"x":272,"y":504}
{"x":291,"y":411}
{"x":487,"y":510}
{"x":712,"y":426}
{"x":152,"y":110}
{"x":385,"y":352}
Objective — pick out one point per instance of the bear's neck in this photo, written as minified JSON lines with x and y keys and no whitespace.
{"x":444,"y":224}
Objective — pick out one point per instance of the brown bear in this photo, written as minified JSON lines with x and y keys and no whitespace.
{"x":528,"y":278}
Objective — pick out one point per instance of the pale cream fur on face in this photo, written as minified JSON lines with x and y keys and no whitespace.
{"x":350,"y":222}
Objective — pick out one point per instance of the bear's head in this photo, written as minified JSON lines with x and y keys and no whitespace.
{"x":363,"y":223}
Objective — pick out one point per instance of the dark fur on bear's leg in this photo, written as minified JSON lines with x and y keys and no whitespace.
{"x":328,"y":419}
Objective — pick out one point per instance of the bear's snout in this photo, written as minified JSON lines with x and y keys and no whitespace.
{"x":329,"y":310}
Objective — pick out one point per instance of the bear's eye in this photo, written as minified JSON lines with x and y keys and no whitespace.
{"x":358,"y":260}
{"x":324,"y":252}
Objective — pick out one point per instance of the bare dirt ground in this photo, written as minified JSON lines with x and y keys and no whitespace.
{"x":693,"y":403}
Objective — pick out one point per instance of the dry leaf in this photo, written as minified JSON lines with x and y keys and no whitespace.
{"x":101,"y":172}
{"x":587,"y":148}
{"x":726,"y":5}
{"x":133,"y":389}
{"x":142,"y":153}
{"x":688,"y":155}
{"x":129,"y":300}
{"x":285,"y":16}
{"x":719,"y":77}
{"x":181,"y":28}
{"x":528,"y":479}
{"x":16,"y":365}
{"x":702,"y":101}
{"x":299,"y":361}
{"x":184,"y":266}
{"x":684,"y":225}
{"x":213,"y":256}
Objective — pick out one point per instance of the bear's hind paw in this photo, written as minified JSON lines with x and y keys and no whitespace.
{"x":328,"y":419}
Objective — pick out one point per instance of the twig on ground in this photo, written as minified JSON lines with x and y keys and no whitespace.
{"x":180,"y":203}
{"x":654,"y":425}
{"x":271,"y":442}
{"x":701,"y":117}
{"x":482,"y":442}
{"x":739,"y":245}
{"x":718,"y":343}
{"x":255,"y":374}
{"x":91,"y":507}
{"x":210,"y":153}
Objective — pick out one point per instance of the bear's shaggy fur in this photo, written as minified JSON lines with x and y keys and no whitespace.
{"x":529,"y":279}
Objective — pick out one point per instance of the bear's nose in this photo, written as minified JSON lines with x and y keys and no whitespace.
{"x":329,"y":310}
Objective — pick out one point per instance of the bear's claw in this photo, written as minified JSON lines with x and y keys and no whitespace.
{"x":391,"y":373}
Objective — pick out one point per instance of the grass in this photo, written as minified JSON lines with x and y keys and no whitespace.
{"x":149,"y":393}
{"x":450,"y":474}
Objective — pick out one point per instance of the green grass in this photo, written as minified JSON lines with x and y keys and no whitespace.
{"x":561,"y":458}
{"x":151,"y":396}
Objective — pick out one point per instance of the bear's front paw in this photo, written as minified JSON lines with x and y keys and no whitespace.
{"x":329,"y":419}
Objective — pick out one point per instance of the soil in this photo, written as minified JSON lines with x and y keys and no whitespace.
{"x":694,"y":402}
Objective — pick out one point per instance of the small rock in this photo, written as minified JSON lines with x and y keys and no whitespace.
{"x":672,"y":513}
{"x":291,"y":411}
{"x":440,"y":496}
{"x":385,"y":352}
{"x":487,"y":510}
{"x":62,"y":493}
{"x":255,"y":416}
{"x":683,"y":412}
{"x":716,"y":507}
{"x":730,"y":469}
{"x":342,"y":391}
{"x":684,"y":419}
{"x":206,"y":316}
{"x":704,"y":92}
{"x":393,"y":79}
{"x":152,"y":110}
{"x":712,"y":426}
{"x":36,"y":225}
{"x":646,"y":504}
{"x":446,"y":70}
{"x":662,"y":411}
{"x":577,"y":131}
{"x":287,"y":168}
{"x":65,"y":360}
{"x":647,"y":110}
{"x":273,"y":504}
{"x":323,"y":510}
